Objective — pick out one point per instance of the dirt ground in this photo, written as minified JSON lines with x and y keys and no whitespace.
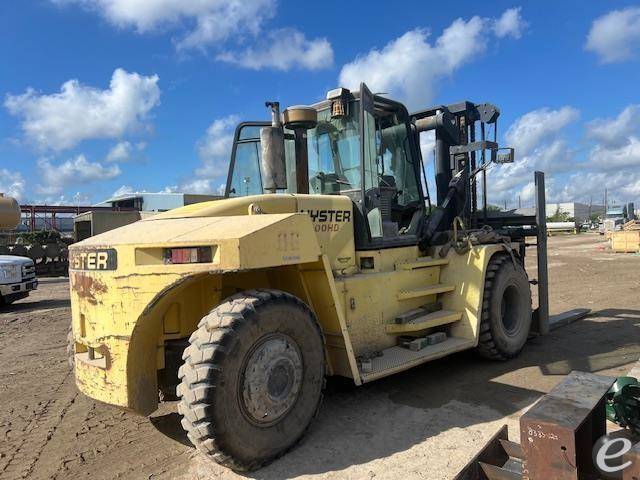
{"x":424,"y":423}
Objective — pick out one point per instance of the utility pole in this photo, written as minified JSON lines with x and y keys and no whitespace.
{"x":605,"y":201}
{"x":505,"y":205}
{"x":519,"y":202}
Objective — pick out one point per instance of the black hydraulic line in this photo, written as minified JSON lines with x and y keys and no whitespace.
{"x":474,"y":183}
{"x":444,"y":213}
{"x":484,"y":176}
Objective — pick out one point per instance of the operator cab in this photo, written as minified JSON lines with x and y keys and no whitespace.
{"x":361,"y":146}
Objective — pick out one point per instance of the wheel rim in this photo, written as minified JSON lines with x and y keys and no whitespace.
{"x":510,"y":310}
{"x":272,"y":377}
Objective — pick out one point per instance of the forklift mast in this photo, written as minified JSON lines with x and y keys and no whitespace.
{"x":462,"y":153}
{"x":456,"y":129}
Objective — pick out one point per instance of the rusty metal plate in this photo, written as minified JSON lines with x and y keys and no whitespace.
{"x":558,"y":433}
{"x":493,"y":453}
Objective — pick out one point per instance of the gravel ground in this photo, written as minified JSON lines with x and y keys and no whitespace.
{"x":424,"y":423}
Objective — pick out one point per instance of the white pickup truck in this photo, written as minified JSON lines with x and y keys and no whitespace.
{"x":17,"y":278}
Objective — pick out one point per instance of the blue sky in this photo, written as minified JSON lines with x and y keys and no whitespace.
{"x":100,"y":96}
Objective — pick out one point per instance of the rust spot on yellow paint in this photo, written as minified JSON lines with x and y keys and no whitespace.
{"x":86,"y":287}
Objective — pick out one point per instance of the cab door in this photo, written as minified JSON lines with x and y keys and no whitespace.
{"x":392,"y":200}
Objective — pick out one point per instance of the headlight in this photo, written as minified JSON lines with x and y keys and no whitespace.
{"x":9,"y":271}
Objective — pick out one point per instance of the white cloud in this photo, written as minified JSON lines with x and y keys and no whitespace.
{"x":202,"y":186}
{"x":410,"y":67}
{"x":123,"y":190}
{"x":612,"y":162}
{"x":233,"y":28}
{"x":283,"y":50}
{"x":12,"y":184}
{"x":170,"y":189}
{"x":605,"y":158}
{"x":124,"y":151}
{"x":427,"y":144}
{"x":622,"y":185}
{"x":618,"y":140}
{"x":206,"y":21}
{"x":198,"y":185}
{"x":77,"y":198}
{"x":79,"y":112}
{"x":538,"y":139}
{"x":214,"y":148}
{"x":75,"y":171}
{"x":510,"y":24}
{"x":219,"y":19}
{"x":528,"y":132}
{"x":615,"y":132}
{"x":615,"y":36}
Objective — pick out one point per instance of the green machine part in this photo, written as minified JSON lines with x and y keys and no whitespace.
{"x":623,"y":403}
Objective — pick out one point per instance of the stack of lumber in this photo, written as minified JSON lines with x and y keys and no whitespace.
{"x":631,"y":225}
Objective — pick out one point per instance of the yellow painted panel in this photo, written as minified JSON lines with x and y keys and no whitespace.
{"x":385,"y":260}
{"x":171,"y":319}
{"x":467,"y":273}
{"x":372,"y":303}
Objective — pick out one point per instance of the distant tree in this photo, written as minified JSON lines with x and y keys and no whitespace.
{"x":559,"y":216}
{"x":493,"y":208}
{"x":41,"y":236}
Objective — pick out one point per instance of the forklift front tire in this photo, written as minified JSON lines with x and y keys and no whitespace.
{"x":252,"y":378}
{"x":506,"y":309}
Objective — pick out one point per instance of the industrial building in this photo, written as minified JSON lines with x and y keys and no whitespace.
{"x":581,"y":212}
{"x":130,"y":208}
{"x":155,"y":202}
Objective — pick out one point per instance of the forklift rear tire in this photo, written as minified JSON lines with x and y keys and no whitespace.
{"x":252,"y":378}
{"x":506,"y":309}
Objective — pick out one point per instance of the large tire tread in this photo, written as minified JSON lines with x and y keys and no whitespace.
{"x":486,"y":346}
{"x":199,"y":374}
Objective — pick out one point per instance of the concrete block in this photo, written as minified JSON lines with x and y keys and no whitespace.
{"x":418,"y":344}
{"x":437,"y":337}
{"x":366,"y":366}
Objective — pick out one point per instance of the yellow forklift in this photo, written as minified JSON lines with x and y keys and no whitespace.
{"x":327,"y":257}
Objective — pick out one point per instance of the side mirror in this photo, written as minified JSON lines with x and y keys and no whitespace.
{"x":273,"y":165}
{"x":503,"y":155}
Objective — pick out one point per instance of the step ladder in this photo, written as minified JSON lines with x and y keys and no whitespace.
{"x":421,"y":262}
{"x":424,"y":322}
{"x":424,"y":291}
{"x":397,"y":359}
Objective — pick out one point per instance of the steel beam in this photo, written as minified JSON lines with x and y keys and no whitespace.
{"x":493,"y":453}
{"x":565,"y":318}
{"x":543,"y":274}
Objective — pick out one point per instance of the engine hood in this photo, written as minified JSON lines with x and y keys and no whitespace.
{"x":255,"y":242}
{"x":269,"y":203}
{"x":277,"y":229}
{"x":14,"y":260}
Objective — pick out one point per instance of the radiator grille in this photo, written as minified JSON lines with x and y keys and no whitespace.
{"x":28,"y":272}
